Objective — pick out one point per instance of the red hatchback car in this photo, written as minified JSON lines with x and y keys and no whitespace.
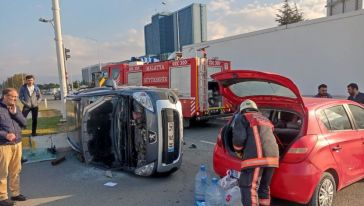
{"x":321,"y":140}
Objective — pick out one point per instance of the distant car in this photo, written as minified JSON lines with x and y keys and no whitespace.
{"x":57,"y":95}
{"x":320,"y":154}
{"x":135,"y":128}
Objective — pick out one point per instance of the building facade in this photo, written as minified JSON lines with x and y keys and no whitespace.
{"x":326,"y":50}
{"x":168,"y":32}
{"x":343,"y":6}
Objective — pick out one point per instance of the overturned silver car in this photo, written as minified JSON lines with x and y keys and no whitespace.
{"x":134,"y":128}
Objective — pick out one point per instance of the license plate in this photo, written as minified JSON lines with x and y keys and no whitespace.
{"x":170,"y":136}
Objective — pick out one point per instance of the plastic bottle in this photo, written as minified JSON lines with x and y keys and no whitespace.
{"x":201,"y":182}
{"x":214,"y":194}
{"x":233,"y":197}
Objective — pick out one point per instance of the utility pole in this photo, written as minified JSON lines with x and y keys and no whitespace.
{"x":60,"y":56}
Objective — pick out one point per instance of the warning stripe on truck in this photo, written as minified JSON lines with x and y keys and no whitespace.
{"x":193,"y":107}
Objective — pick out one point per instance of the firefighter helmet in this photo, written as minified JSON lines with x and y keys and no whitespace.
{"x":248,"y":105}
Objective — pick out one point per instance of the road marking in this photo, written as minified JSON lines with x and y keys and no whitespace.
{"x":207,"y":142}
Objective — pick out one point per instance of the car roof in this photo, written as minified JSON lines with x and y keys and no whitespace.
{"x":312,"y":103}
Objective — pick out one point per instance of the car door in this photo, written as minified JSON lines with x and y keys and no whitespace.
{"x":357,"y":112}
{"x":344,"y":142}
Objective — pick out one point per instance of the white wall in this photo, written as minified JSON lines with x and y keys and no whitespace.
{"x":328,"y":50}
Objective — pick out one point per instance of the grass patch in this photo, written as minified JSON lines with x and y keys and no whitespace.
{"x":48,"y":124}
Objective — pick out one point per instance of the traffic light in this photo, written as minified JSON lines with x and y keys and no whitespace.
{"x":67,"y":53}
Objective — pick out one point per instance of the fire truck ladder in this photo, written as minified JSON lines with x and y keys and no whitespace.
{"x":203,"y":85}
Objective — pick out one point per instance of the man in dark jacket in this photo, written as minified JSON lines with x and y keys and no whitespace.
{"x":354,"y":93}
{"x":322,"y":92}
{"x":30,"y":97}
{"x":255,"y":143}
{"x":11,"y":122}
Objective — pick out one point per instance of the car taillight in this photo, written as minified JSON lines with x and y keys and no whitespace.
{"x":300,"y":149}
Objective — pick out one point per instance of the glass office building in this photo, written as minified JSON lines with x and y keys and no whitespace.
{"x":168,"y":32}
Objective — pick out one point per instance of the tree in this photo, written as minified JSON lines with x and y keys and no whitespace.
{"x":14,"y":81}
{"x":289,"y":15}
{"x":76,"y":84}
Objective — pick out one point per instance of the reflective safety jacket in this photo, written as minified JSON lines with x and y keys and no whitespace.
{"x":253,"y":135}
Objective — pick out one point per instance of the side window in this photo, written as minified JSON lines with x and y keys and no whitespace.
{"x":324,"y":119}
{"x":358,"y":114}
{"x":338,"y":118}
{"x":115,"y":74}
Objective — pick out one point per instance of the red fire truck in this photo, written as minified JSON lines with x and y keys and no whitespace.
{"x":189,"y":78}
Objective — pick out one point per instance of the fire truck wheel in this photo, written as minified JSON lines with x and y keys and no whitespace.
{"x":186,"y":122}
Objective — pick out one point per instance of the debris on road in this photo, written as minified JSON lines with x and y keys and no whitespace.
{"x":58,"y":161}
{"x":192,"y":146}
{"x":108,"y":174}
{"x":110,"y":184}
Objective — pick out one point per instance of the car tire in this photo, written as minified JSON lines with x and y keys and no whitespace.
{"x":325,"y":191}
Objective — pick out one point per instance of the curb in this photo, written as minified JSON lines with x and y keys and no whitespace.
{"x":58,"y":140}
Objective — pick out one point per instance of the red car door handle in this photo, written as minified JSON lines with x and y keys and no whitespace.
{"x":337,"y":148}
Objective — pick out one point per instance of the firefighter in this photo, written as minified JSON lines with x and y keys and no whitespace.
{"x":255,"y":143}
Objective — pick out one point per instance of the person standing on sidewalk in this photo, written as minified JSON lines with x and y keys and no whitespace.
{"x":11,"y":122}
{"x":30,"y":97}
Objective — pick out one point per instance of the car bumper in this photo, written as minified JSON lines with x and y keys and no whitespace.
{"x":293,"y":182}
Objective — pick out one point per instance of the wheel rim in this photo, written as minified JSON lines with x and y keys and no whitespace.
{"x":326,"y":194}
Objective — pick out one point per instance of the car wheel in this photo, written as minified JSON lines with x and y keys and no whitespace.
{"x":325,"y":191}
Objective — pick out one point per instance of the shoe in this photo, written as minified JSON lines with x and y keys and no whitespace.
{"x":23,"y":160}
{"x":6,"y":202}
{"x":19,"y":198}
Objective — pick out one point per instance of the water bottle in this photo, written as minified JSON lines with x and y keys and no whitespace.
{"x":214,"y":194}
{"x":201,"y":182}
{"x":233,"y":197}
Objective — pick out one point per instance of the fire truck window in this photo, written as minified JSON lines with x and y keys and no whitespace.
{"x":115,"y":73}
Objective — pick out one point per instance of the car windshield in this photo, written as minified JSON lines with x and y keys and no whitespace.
{"x":258,"y":88}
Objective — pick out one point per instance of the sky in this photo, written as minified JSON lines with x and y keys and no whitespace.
{"x":113,"y":30}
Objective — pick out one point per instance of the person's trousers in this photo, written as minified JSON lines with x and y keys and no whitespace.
{"x":34,"y":111}
{"x":254,"y":185}
{"x":10,"y":167}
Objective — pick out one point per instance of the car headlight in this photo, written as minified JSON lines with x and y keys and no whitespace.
{"x":145,"y":170}
{"x":144,"y":99}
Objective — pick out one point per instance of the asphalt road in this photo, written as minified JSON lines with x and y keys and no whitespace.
{"x":75,"y":184}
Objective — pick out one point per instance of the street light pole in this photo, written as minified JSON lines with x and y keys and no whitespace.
{"x":60,"y":53}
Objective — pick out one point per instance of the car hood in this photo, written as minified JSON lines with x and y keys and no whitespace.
{"x":266,"y":89}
